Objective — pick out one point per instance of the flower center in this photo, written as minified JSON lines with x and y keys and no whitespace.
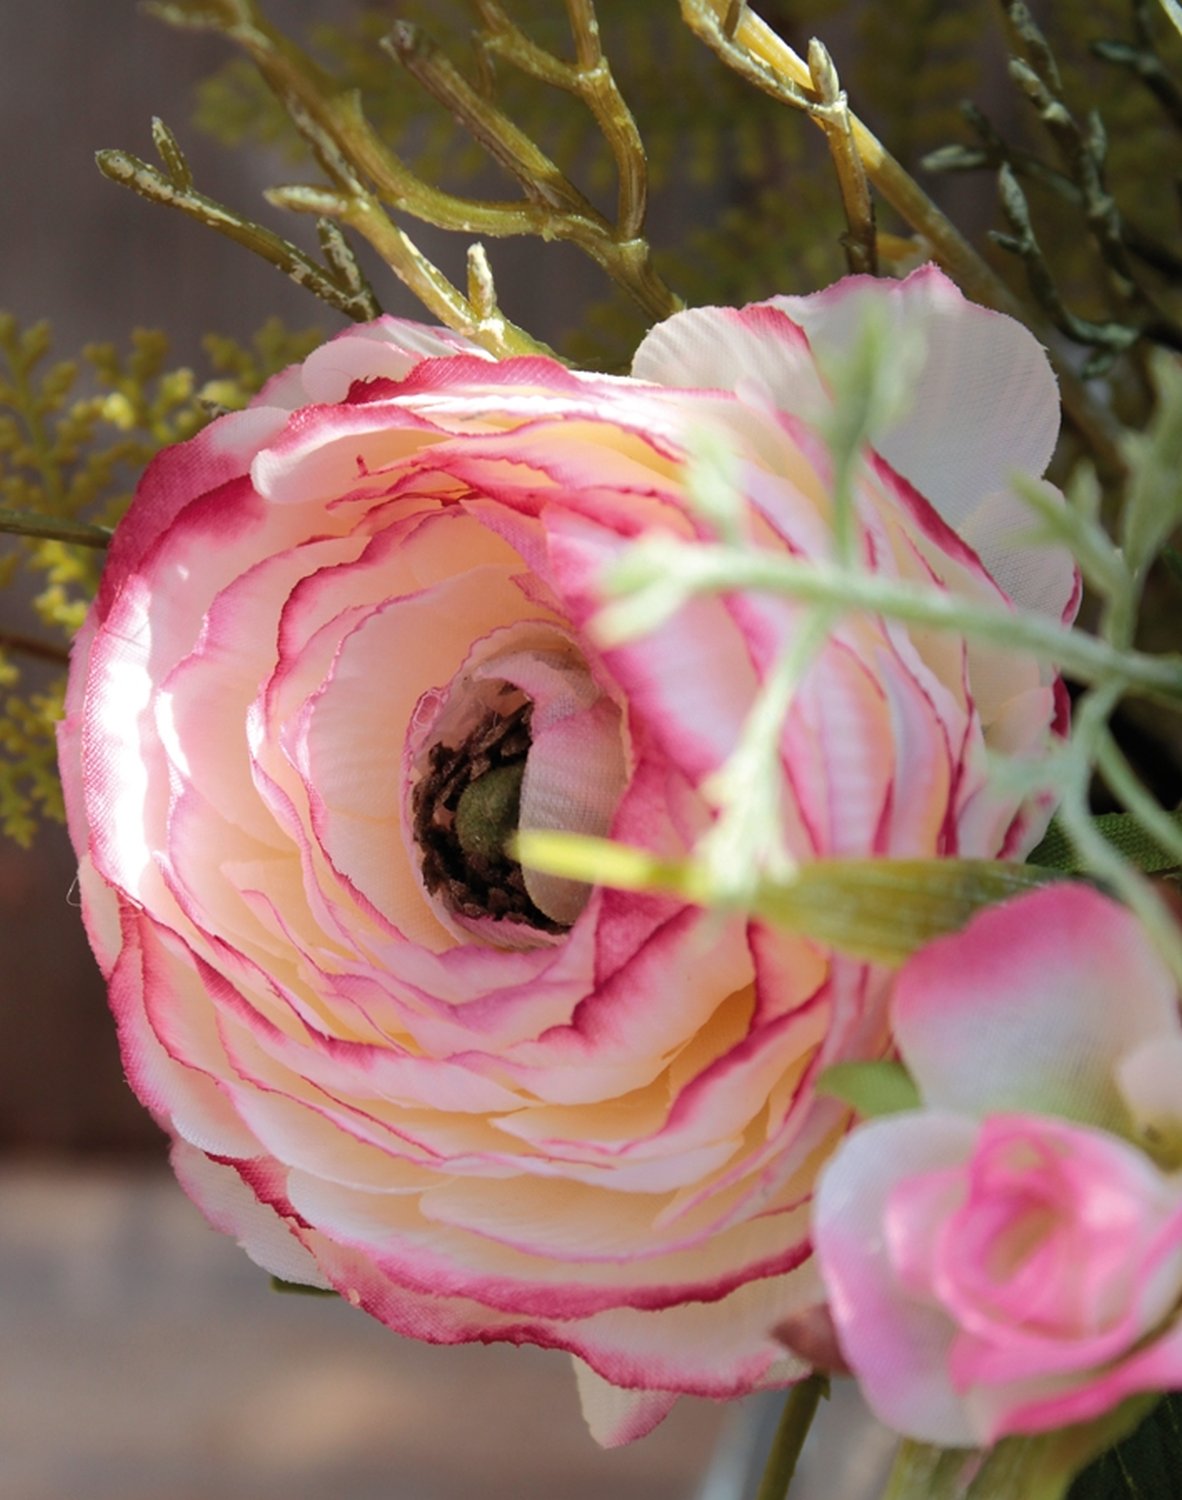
{"x":466,"y":806}
{"x":521,"y":738}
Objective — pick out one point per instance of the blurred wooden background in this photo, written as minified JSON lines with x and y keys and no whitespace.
{"x":77,"y":75}
{"x":142,"y":1356}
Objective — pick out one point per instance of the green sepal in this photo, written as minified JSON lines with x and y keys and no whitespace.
{"x":872,"y":1088}
{"x":1041,"y":1467}
{"x":882,"y":910}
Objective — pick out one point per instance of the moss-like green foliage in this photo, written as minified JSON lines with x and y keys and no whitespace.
{"x":74,"y":436}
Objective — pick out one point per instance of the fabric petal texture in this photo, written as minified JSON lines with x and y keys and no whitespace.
{"x":1007,"y":1259}
{"x":345,"y":646}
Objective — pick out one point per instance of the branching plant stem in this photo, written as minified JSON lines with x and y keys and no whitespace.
{"x":832,"y":113}
{"x":659,"y":589}
{"x":590,"y":79}
{"x":356,"y":301}
{"x":368,"y":177}
{"x":753,"y":49}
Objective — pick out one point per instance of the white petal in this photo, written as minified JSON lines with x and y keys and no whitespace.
{"x":616,"y":1416}
{"x":230,"y":1206}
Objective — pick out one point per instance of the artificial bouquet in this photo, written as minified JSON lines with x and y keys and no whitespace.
{"x":567,"y":842}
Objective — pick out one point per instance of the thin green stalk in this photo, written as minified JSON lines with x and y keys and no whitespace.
{"x":833,"y":116}
{"x":1124,"y":784}
{"x":53,"y":528}
{"x":799,"y":1410}
{"x":714,"y":569}
{"x":27,"y":645}
{"x":356,"y":302}
{"x":331,"y":119}
{"x":588,"y":79}
{"x":486,"y":326}
{"x":1097,"y":854}
{"x":745,"y":845}
{"x":535,"y":173}
{"x":595,"y":85}
{"x":752,"y":48}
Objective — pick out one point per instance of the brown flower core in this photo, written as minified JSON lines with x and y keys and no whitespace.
{"x":465,"y":807}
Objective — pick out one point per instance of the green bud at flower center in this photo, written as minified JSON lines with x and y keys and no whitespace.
{"x":466,"y":806}
{"x":488,"y":809}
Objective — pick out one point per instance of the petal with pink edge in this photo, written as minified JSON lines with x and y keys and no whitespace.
{"x":898,"y":1348}
{"x":1016,"y":1012}
{"x":230,"y":1206}
{"x":616,"y":1416}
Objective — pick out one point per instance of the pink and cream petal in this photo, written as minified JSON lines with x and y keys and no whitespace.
{"x":1015,"y":1013}
{"x":899,"y":1348}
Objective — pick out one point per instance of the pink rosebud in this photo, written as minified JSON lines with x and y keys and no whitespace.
{"x":344,"y":644}
{"x":998,"y":1273}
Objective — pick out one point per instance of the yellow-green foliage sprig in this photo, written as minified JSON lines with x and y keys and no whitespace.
{"x":74,"y":436}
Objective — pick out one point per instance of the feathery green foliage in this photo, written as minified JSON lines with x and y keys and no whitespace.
{"x":74,"y":436}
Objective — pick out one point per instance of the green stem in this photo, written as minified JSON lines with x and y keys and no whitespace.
{"x":1124,"y":783}
{"x":921,"y":1470}
{"x":53,"y":528}
{"x":833,"y":116}
{"x":799,"y":1411}
{"x":488,"y":327}
{"x":538,"y":177}
{"x":714,"y":569}
{"x":332,"y":121}
{"x":756,"y":51}
{"x":1097,"y":854}
{"x":356,"y":302}
{"x":593,"y":81}
{"x":589,"y":79}
{"x":745,"y":845}
{"x":27,"y":645}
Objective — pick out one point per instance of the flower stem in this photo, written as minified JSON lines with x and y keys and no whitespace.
{"x":28,"y":645}
{"x":799,"y":1411}
{"x":660,"y":583}
{"x":354,"y":300}
{"x":362,"y":167}
{"x":53,"y":528}
{"x":753,"y":49}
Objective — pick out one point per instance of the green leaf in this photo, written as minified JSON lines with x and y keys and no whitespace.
{"x":1043,"y":1466}
{"x":886,"y":909}
{"x":872,"y":1088}
{"x":1122,"y":830}
{"x":1153,"y":506}
{"x":878,"y":909}
{"x":1147,"y":1465}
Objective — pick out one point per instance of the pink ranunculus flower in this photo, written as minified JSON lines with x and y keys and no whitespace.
{"x":1008,"y":1259}
{"x":341,"y":629}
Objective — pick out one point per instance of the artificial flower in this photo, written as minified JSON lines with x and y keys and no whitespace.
{"x":345,"y":641}
{"x":1008,"y":1258}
